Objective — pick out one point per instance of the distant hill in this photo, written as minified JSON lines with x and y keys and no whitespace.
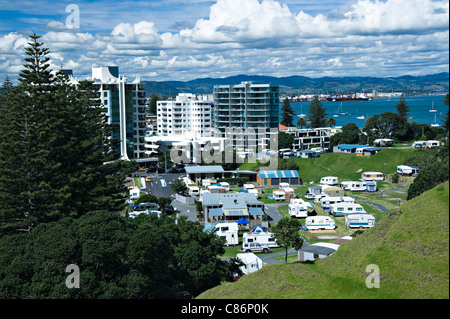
{"x":410,"y":246}
{"x":305,"y":85}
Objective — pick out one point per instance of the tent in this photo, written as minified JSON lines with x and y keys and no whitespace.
{"x":242,"y":221}
{"x":259,"y":229}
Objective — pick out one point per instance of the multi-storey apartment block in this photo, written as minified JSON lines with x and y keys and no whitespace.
{"x":187,"y":114}
{"x":305,"y":139}
{"x":125,"y":105}
{"x":245,"y":113}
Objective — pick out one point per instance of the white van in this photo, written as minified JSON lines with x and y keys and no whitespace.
{"x":319,"y":222}
{"x":229,"y":231}
{"x":329,"y":180}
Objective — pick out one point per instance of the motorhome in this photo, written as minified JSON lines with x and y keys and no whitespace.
{"x":342,"y":209}
{"x":298,"y":208}
{"x":319,"y":222}
{"x":372,"y":176}
{"x":194,"y":190}
{"x":329,"y":180}
{"x":225,"y":185}
{"x":135,"y":193}
{"x":251,"y":262}
{"x":359,"y":220}
{"x":354,"y":186}
{"x":229,"y":231}
{"x":264,"y":239}
{"x":327,"y":202}
{"x":250,"y":188}
{"x":279,"y":195}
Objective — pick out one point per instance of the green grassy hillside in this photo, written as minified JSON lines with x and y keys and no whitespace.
{"x":345,"y":166}
{"x":410,"y":246}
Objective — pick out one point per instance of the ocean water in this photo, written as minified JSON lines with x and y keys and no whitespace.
{"x":419,"y":107}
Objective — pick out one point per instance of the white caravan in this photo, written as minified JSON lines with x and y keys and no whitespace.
{"x":319,"y":222}
{"x":250,"y":188}
{"x":342,"y":209}
{"x":264,"y":239}
{"x":329,"y":180}
{"x":229,"y":231}
{"x":359,"y":220}
{"x":372,"y":176}
{"x":355,"y":186}
{"x":327,"y":201}
{"x":298,"y":208}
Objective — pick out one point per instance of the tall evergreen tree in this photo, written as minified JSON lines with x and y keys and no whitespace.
{"x":287,"y":117}
{"x":402,"y":107}
{"x":317,"y":114}
{"x":54,"y":146}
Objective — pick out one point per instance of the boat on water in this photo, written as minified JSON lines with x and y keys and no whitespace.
{"x":360,"y":117}
{"x":347,"y":98}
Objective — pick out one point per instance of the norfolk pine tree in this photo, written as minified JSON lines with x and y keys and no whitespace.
{"x":54,"y":146}
{"x":316,"y":114}
{"x":287,"y":117}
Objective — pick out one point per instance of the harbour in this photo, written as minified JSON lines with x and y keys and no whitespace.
{"x":428,"y":109}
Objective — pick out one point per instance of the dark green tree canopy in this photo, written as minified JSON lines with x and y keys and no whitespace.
{"x":287,"y":115}
{"x":56,"y":155}
{"x":316,"y":114}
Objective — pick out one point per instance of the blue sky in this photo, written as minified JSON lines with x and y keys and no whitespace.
{"x":183,"y":40}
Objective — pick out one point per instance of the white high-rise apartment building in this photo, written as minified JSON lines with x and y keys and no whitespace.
{"x":125,"y":104}
{"x":188,"y":115}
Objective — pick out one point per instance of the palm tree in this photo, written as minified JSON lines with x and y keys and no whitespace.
{"x":331,"y":121}
{"x":301,"y":122}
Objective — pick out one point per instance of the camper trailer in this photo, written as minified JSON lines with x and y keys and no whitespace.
{"x":342,"y":209}
{"x":372,"y":176}
{"x":329,"y":180}
{"x":359,"y":220}
{"x":229,"y":231}
{"x":326,"y":202}
{"x":432,"y":144}
{"x":264,"y":239}
{"x":354,"y":186}
{"x":225,"y":185}
{"x":298,"y":208}
{"x":319,"y":222}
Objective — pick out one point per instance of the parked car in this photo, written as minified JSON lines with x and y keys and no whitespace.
{"x":239,"y":183}
{"x":255,"y":248}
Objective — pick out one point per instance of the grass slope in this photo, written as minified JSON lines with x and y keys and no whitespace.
{"x":344,"y":166}
{"x":410,"y":246}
